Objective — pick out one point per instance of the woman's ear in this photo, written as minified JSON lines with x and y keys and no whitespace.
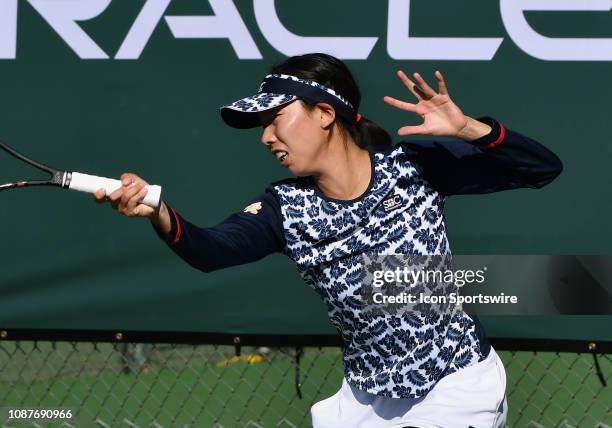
{"x":326,"y":114}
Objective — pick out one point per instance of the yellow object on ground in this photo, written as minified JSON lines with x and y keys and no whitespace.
{"x":249,"y":358}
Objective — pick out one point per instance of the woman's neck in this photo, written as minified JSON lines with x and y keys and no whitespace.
{"x":346,"y":171}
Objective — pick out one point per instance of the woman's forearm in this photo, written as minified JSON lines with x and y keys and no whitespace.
{"x":161,"y":220}
{"x":500,"y":159}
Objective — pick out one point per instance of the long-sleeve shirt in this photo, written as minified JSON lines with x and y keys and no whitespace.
{"x":401,"y":212}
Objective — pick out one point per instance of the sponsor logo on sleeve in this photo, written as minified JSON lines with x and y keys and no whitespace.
{"x":253,"y":208}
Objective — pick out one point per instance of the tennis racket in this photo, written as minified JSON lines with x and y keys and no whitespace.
{"x":74,"y":180}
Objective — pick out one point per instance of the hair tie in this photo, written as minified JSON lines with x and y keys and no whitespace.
{"x":358,"y":118}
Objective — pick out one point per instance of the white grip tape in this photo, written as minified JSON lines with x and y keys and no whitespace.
{"x":91,"y":183}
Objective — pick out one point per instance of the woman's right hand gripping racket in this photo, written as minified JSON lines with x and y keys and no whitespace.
{"x":74,"y":180}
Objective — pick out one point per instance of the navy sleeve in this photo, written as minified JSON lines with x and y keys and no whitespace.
{"x":500,"y":160}
{"x":243,"y":237}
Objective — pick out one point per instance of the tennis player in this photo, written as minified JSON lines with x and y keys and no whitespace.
{"x":354,"y":193}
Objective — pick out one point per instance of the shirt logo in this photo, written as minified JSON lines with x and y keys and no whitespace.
{"x":253,"y":208}
{"x":392,"y":202}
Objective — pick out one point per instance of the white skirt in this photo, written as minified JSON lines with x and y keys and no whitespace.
{"x":471,"y":397}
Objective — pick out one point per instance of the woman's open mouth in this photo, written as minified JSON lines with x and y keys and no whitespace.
{"x":281,"y":155}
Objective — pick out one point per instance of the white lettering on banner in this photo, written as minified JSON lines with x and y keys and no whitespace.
{"x":8,"y":29}
{"x":143,"y":27}
{"x":551,"y":48}
{"x":290,"y":44}
{"x":226,"y":23}
{"x":400,"y":45}
{"x":62,"y":16}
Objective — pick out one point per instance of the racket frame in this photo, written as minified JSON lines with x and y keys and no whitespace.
{"x":56,"y":177}
{"x":85,"y":183}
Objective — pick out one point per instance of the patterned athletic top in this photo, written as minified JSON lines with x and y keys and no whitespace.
{"x":396,"y":355}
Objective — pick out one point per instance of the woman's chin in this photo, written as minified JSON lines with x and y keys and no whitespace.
{"x":298,"y":172}
{"x":296,"y":169}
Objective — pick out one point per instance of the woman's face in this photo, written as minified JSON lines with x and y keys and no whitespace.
{"x":295,"y":135}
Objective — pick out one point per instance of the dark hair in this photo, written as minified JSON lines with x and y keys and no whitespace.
{"x":333,"y":73}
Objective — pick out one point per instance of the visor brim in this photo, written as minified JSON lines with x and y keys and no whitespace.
{"x":243,"y":114}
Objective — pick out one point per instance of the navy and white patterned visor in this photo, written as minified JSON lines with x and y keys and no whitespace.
{"x":277,"y":90}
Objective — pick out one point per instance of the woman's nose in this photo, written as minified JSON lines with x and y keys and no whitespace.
{"x":268,"y":137}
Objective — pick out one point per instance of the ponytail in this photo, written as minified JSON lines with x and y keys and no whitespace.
{"x":369,"y":134}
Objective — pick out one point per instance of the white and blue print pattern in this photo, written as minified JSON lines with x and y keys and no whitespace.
{"x":309,"y":83}
{"x":265,"y":100}
{"x":386,"y":354}
{"x":260,"y":102}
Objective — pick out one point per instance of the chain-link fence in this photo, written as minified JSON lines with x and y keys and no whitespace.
{"x":143,"y":385}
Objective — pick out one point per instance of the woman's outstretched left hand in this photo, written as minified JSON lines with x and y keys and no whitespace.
{"x":440,"y":114}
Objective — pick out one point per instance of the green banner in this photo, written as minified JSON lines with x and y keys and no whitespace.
{"x":105,"y":87}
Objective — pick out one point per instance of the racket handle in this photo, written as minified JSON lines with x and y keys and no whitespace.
{"x":91,"y":183}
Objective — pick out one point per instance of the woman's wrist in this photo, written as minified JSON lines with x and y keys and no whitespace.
{"x":473,"y":130}
{"x":161,"y":219}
